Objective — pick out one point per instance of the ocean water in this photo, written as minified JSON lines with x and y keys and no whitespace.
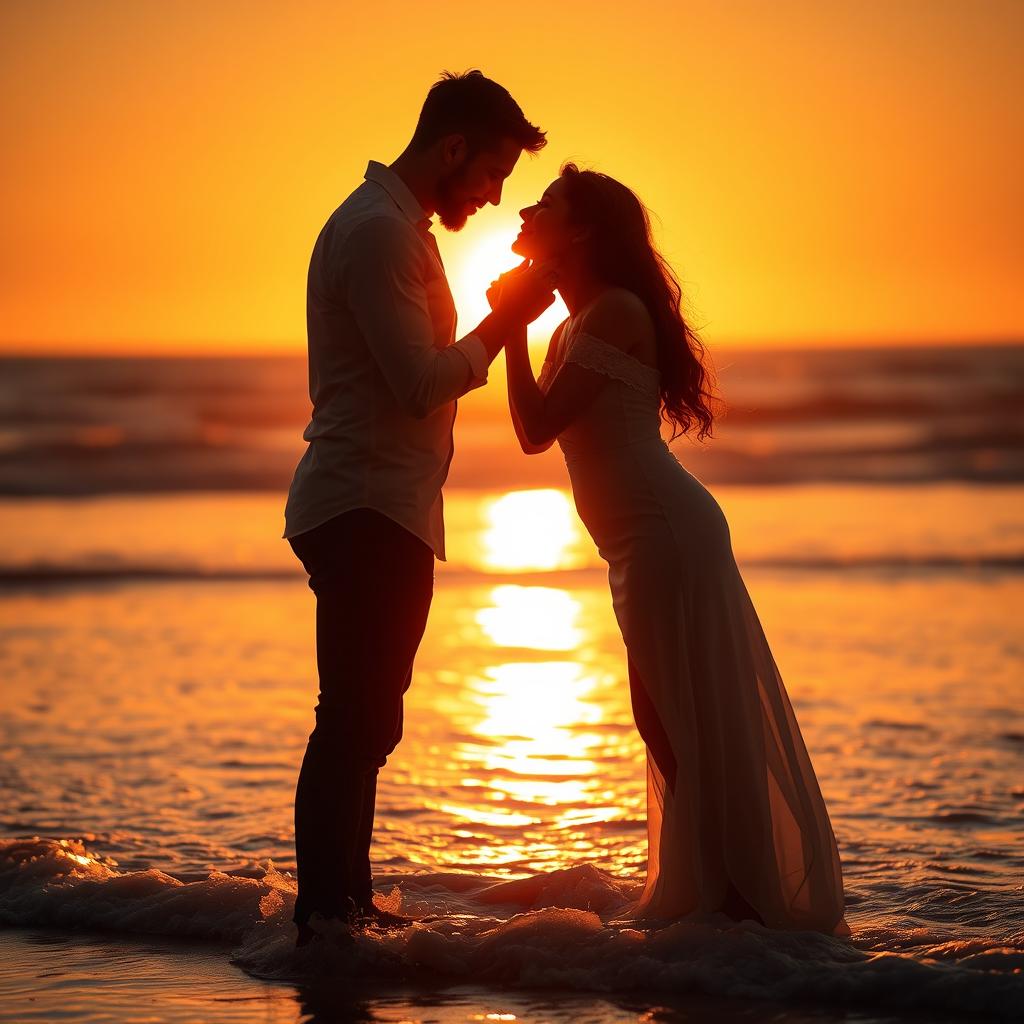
{"x":159,"y":680}
{"x":86,"y":426}
{"x":156,"y":658}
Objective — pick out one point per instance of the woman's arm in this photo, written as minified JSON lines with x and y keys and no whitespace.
{"x":540,"y":418}
{"x":524,"y":443}
{"x":618,"y":318}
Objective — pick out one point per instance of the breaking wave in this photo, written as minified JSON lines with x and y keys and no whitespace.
{"x":554,"y":930}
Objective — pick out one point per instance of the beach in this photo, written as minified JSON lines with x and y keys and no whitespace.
{"x":160,"y":681}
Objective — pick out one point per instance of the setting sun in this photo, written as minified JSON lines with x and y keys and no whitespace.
{"x":473,"y":271}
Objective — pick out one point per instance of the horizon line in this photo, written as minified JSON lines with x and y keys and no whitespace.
{"x":196,"y":348}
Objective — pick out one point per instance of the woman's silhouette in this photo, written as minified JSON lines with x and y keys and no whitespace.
{"x":736,"y":820}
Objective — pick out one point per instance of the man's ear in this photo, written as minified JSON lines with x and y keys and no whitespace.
{"x":453,"y":150}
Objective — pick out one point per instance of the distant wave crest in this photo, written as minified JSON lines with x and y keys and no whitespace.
{"x":139,"y":425}
{"x":54,"y":573}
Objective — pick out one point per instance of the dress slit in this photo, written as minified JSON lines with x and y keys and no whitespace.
{"x":651,"y":730}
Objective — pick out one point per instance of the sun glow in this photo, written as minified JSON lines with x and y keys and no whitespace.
{"x":472,"y":275}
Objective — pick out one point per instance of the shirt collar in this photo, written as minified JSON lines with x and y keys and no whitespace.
{"x":399,"y":192}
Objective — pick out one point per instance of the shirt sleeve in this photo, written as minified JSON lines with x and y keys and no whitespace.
{"x":385,"y":292}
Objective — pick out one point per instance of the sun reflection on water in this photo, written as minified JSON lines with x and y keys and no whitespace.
{"x":531,"y":759}
{"x":543,"y":618}
{"x":483,"y":817}
{"x":536,"y":747}
{"x":532,"y":530}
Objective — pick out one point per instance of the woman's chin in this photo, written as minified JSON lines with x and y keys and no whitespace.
{"x":521,"y":247}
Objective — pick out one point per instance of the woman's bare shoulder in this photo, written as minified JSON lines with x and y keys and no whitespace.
{"x":556,"y":334}
{"x":620,"y":317}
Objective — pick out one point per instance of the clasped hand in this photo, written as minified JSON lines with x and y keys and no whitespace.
{"x":523,"y":293}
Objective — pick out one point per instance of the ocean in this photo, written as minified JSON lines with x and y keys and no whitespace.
{"x":156,"y":652}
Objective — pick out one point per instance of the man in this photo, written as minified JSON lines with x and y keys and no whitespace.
{"x":364,"y":511}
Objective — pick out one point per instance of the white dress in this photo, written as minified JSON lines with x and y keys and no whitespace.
{"x":731,"y":791}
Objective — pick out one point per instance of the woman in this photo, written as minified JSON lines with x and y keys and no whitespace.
{"x":736,"y":821}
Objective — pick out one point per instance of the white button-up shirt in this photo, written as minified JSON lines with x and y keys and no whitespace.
{"x":384,"y":366}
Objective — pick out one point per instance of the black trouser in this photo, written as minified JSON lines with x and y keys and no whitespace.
{"x":373,"y":582}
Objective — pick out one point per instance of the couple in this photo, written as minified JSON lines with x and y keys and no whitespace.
{"x":736,"y":821}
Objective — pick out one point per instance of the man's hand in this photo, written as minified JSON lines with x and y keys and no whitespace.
{"x":517,"y":298}
{"x":494,"y":292}
{"x":524,"y":293}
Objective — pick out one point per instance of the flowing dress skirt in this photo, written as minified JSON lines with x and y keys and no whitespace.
{"x":732,"y":796}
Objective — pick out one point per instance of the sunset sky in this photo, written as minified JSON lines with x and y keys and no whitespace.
{"x":820,"y":172}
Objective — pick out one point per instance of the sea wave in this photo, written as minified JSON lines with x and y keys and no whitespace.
{"x":87,"y":573}
{"x":138,"y":425}
{"x":554,"y":930}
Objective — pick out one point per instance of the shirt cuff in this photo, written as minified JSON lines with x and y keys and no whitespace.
{"x":475,"y":353}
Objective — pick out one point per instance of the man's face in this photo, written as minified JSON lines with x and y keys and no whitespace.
{"x":473,"y":181}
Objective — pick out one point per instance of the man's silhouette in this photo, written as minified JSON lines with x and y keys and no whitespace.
{"x":364,"y":510}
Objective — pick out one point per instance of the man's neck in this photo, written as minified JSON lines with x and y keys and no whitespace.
{"x":417,"y":179}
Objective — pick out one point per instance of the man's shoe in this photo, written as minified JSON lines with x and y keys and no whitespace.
{"x":306,"y":936}
{"x":373,"y":917}
{"x":324,"y":929}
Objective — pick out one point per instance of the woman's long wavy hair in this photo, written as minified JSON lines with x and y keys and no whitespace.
{"x":620,"y":253}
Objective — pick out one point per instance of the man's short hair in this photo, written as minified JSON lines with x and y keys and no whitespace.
{"x":473,"y":106}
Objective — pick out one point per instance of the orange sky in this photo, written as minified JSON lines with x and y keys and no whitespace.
{"x":821,"y":171}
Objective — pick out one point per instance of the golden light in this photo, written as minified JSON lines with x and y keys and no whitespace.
{"x":534,"y":712}
{"x":543,"y":618}
{"x":479,"y":815}
{"x":484,"y":262}
{"x":536,"y":529}
{"x":218,"y":138}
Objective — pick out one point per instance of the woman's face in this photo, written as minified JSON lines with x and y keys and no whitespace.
{"x":546,"y":232}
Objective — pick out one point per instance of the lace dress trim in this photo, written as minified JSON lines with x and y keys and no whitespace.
{"x":594,"y":354}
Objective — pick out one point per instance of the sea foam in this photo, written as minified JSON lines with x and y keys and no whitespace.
{"x":553,"y":931}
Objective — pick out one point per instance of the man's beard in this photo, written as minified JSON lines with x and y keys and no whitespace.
{"x":451,"y":211}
